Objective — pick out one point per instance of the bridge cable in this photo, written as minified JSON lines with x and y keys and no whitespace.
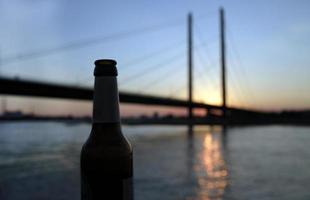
{"x":127,"y":65}
{"x":236,"y":54}
{"x":171,"y":73}
{"x":205,"y":71}
{"x":87,"y":42}
{"x":211,"y":60}
{"x":178,"y":89}
{"x":200,"y":38}
{"x":236,"y":84}
{"x":152,"y":68}
{"x":236,"y":88}
{"x":201,"y":58}
{"x":151,"y":55}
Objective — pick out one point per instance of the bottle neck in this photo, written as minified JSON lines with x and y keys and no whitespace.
{"x":106,"y":100}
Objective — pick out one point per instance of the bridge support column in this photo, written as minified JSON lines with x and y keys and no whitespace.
{"x":223,"y":62}
{"x":190,"y":68}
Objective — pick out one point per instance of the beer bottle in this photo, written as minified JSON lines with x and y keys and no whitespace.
{"x":106,"y":156}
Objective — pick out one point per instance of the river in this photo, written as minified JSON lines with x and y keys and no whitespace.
{"x":40,"y":160}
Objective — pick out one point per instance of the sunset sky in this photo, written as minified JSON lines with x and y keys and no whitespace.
{"x":268,"y":47}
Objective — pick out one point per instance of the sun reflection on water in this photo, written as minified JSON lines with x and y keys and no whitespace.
{"x":212,"y":171}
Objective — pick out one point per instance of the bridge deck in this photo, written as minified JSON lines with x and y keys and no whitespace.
{"x":40,"y":89}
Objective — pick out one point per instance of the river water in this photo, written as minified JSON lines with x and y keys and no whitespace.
{"x":40,"y":160}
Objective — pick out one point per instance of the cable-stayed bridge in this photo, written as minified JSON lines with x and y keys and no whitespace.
{"x":13,"y":86}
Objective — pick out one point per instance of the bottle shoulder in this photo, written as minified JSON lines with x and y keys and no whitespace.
{"x":107,"y":139}
{"x":99,"y":151}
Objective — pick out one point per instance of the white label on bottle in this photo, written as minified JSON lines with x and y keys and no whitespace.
{"x":106,"y":102}
{"x":127,"y":189}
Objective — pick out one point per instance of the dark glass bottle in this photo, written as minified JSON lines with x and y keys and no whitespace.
{"x":106,"y":156}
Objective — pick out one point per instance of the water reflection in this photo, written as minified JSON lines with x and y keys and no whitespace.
{"x":210,"y":167}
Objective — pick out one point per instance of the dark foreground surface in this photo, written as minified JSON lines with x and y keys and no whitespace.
{"x":40,"y":160}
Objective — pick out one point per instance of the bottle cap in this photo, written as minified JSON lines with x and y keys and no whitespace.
{"x":105,"y":67}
